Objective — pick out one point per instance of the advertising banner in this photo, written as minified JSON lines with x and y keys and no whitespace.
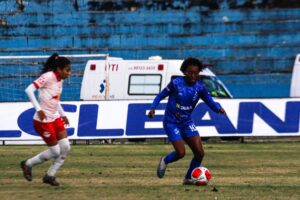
{"x":128,"y":119}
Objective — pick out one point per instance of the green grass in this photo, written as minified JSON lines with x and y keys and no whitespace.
{"x":128,"y":171}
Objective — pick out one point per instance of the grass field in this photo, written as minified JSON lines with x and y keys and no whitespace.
{"x":128,"y":171}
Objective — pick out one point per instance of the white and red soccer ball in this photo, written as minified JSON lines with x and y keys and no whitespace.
{"x":201,"y":176}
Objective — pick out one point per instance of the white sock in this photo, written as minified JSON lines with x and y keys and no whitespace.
{"x":59,"y":161}
{"x":51,"y":152}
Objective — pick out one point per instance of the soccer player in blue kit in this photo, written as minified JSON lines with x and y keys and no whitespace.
{"x":184,"y":93}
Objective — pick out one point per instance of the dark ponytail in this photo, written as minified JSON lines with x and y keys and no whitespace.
{"x":55,"y":61}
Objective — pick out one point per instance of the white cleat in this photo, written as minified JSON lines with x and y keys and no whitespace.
{"x":161,"y":168}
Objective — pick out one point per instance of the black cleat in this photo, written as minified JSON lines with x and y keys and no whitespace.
{"x":51,"y":180}
{"x":26,"y":171}
{"x":188,"y":182}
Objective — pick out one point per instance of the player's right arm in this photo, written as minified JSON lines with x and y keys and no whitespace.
{"x":30,"y":93}
{"x":163,"y":94}
{"x":38,"y":83}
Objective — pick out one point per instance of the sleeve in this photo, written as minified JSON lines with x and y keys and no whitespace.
{"x":30,"y":93}
{"x":41,"y":81}
{"x":206,"y":97}
{"x":61,"y":110}
{"x":163,"y":94}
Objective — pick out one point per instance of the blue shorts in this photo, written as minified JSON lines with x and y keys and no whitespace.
{"x":180,"y":131}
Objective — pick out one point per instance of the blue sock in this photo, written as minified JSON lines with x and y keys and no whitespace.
{"x":194,"y":163}
{"x":171,"y":157}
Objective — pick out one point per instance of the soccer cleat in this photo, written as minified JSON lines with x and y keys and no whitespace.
{"x":161,"y":168}
{"x":27,"y":171}
{"x":51,"y":180}
{"x":188,"y":182}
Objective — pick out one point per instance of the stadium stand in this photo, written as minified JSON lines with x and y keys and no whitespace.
{"x":252,"y":44}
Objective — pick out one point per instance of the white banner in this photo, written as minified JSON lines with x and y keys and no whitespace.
{"x":128,"y":119}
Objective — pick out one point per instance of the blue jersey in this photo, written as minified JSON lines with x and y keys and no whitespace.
{"x":182,"y":100}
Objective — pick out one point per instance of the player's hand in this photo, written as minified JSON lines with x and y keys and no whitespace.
{"x":222,"y":111}
{"x":151,"y":113}
{"x":41,"y":115}
{"x":66,"y":120}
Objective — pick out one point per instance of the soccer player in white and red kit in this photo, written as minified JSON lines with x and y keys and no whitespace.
{"x":49,"y":119}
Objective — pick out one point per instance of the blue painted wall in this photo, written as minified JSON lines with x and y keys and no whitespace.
{"x":252,"y":44}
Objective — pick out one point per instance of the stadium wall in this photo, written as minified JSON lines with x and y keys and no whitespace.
{"x":252,"y":44}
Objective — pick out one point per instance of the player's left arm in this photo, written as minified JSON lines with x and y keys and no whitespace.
{"x":222,"y":111}
{"x":63,"y":115}
{"x":207,"y":98}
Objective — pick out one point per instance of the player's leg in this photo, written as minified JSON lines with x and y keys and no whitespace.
{"x":192,"y":138}
{"x":175,"y":138}
{"x":177,"y":154}
{"x":59,"y":161}
{"x":171,"y":157}
{"x":47,"y":132}
{"x":197,"y":148}
{"x":65,"y":147}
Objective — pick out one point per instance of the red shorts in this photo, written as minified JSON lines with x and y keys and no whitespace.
{"x":49,"y":130}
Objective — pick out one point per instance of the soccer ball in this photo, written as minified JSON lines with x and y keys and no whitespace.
{"x":201,"y":176}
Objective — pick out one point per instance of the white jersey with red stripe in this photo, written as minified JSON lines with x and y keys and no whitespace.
{"x":50,"y":87}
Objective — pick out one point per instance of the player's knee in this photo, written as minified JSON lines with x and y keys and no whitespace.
{"x":65,"y":146}
{"x":202,"y":154}
{"x":55,"y":151}
{"x":180,"y":154}
{"x":199,"y":156}
{"x":68,"y":149}
{"x":65,"y":149}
